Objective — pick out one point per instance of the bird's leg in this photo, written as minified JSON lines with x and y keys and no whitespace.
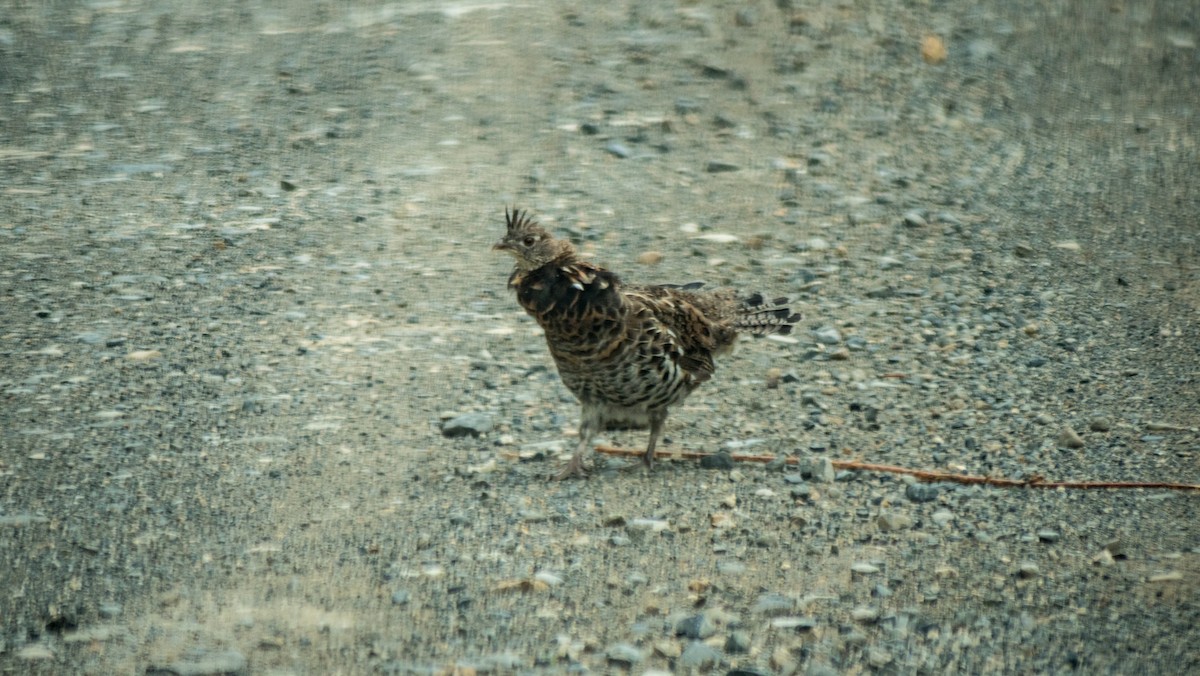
{"x":657,"y":418}
{"x":589,"y":423}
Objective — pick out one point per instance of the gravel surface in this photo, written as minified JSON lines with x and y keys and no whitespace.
{"x":268,"y":408}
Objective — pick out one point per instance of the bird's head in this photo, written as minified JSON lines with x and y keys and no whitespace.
{"x":529,"y":243}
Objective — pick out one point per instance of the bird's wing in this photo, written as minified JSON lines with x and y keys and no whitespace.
{"x":691,"y":325}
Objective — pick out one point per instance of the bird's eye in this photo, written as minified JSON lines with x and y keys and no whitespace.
{"x":529,"y":240}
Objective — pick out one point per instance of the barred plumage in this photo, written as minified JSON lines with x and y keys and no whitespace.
{"x":627,"y":352}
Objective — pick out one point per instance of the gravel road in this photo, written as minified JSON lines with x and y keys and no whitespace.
{"x":266,"y":406}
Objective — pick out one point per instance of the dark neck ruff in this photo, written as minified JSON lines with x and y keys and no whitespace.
{"x":566,"y":290}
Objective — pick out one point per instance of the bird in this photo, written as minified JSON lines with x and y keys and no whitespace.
{"x":627,"y":352}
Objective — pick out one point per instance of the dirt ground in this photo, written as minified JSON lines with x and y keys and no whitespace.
{"x":247,"y":293}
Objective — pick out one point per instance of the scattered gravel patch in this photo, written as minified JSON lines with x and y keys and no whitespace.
{"x":269,"y":408}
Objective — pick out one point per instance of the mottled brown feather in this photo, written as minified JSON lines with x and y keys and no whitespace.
{"x":628,"y":353}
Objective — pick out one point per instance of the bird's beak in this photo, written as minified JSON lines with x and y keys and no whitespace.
{"x":501,"y":246}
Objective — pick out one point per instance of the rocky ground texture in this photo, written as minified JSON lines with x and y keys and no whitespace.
{"x":267,"y":407}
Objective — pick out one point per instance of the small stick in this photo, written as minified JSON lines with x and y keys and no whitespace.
{"x":923,"y":475}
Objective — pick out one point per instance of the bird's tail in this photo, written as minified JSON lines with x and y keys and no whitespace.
{"x":763,"y":316}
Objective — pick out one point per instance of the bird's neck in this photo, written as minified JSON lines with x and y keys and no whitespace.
{"x":565,"y":288}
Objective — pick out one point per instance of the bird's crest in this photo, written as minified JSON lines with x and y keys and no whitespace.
{"x":518,"y":220}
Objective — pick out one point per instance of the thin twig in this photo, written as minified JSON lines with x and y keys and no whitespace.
{"x":923,"y":475}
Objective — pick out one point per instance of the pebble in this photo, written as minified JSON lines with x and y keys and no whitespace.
{"x":738,"y":641}
{"x":109,"y":609}
{"x":624,"y":654}
{"x":91,"y":337}
{"x":647,"y":525}
{"x":548,"y":578}
{"x":914,"y":219}
{"x":783,"y":661}
{"x":1028,"y":569}
{"x":772,"y":604}
{"x":855,"y":637}
{"x":864,"y":614}
{"x":20,"y":520}
{"x":827,"y":335}
{"x":1164,"y":427}
{"x":720,"y":166}
{"x":729,"y":567}
{"x":467,"y":424}
{"x":741,"y":444}
{"x":893,"y":521}
{"x":718,"y":238}
{"x":933,"y":50}
{"x":103,"y":632}
{"x":818,"y":159}
{"x":696,"y":627}
{"x":942,"y":517}
{"x":617,"y":149}
{"x":206,"y":664}
{"x":35,"y":651}
{"x":890,"y":263}
{"x":878,"y":657}
{"x":1069,"y":438}
{"x":719,"y":461}
{"x":921,"y":492}
{"x":778,"y":463}
{"x":773,"y":376}
{"x":792,"y":622}
{"x":1047,"y":535}
{"x":668,"y":649}
{"x":699,"y":655}
{"x":552,"y":447}
{"x":813,"y":244}
{"x":982,"y":49}
{"x":532,"y":515}
{"x":401,"y":597}
{"x":864,"y":568}
{"x":819,"y":469}
{"x":1099,"y":424}
{"x":650,"y":257}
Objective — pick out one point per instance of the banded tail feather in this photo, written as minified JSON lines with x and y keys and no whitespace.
{"x":762,"y":316}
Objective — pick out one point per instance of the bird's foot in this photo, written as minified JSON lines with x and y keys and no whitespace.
{"x":648,"y":460}
{"x":646,"y":465}
{"x":573,"y":469}
{"x":633,"y":467}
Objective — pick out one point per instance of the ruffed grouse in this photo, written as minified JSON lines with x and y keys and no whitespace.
{"x":628,"y":353}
